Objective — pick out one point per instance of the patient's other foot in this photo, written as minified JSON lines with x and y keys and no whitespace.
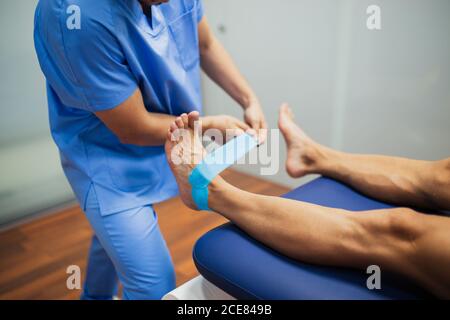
{"x":184,"y":150}
{"x":302,"y":150}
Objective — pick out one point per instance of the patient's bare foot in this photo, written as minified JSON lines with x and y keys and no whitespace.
{"x":184,"y":150}
{"x":302,"y":150}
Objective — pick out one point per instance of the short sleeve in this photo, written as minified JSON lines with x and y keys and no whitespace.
{"x":199,"y":10}
{"x":98,"y":76}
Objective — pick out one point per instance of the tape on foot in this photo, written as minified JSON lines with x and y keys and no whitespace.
{"x":216,"y":162}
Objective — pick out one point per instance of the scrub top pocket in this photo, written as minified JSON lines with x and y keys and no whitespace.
{"x":182,"y":30}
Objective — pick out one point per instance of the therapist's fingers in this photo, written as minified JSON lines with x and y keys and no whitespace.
{"x":233,"y":133}
{"x":241,"y":128}
{"x":259,"y":126}
{"x":255,"y":124}
{"x":238,"y":127}
{"x":251,"y":132}
{"x":262,"y":134}
{"x":241,"y":125}
{"x":263,"y":123}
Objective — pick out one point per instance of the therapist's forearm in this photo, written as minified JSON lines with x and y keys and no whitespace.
{"x":219,"y":66}
{"x":133,"y":124}
{"x":151,"y":131}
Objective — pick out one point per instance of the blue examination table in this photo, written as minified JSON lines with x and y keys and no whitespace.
{"x":247,"y":269}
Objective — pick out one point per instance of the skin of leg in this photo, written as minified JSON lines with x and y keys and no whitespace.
{"x":396,"y":239}
{"x":396,"y":180}
{"x":400,"y":240}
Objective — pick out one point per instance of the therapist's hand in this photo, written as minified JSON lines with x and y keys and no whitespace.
{"x":254,"y":117}
{"x":228,"y":126}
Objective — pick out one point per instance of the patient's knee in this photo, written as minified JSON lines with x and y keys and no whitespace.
{"x":404,"y":224}
{"x":391,"y":232}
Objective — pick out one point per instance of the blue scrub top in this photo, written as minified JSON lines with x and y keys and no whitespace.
{"x":95,"y":63}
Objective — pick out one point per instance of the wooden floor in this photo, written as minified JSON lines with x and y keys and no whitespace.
{"x":34,"y":256}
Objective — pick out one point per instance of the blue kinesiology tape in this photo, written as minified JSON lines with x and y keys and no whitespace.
{"x":216,"y":162}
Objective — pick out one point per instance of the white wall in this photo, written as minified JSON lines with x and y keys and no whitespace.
{"x":353,"y":89}
{"x":31,"y":178}
{"x":22,"y":88}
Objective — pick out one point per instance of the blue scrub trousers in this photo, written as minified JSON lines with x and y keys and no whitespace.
{"x":127,"y":246}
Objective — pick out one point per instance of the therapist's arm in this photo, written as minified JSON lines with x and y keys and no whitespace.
{"x":219,"y":66}
{"x":133,"y":124}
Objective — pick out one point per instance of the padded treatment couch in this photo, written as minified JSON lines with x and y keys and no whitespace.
{"x":247,"y":269}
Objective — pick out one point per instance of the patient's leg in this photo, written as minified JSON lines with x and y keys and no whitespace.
{"x":397,"y":180}
{"x":399,"y":240}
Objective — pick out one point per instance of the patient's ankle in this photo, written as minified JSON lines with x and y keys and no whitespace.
{"x":330,"y":162}
{"x":309,"y":158}
{"x":215,"y":187}
{"x":319,"y":159}
{"x":222,"y":195}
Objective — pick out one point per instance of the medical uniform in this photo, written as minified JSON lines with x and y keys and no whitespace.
{"x":94,"y":55}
